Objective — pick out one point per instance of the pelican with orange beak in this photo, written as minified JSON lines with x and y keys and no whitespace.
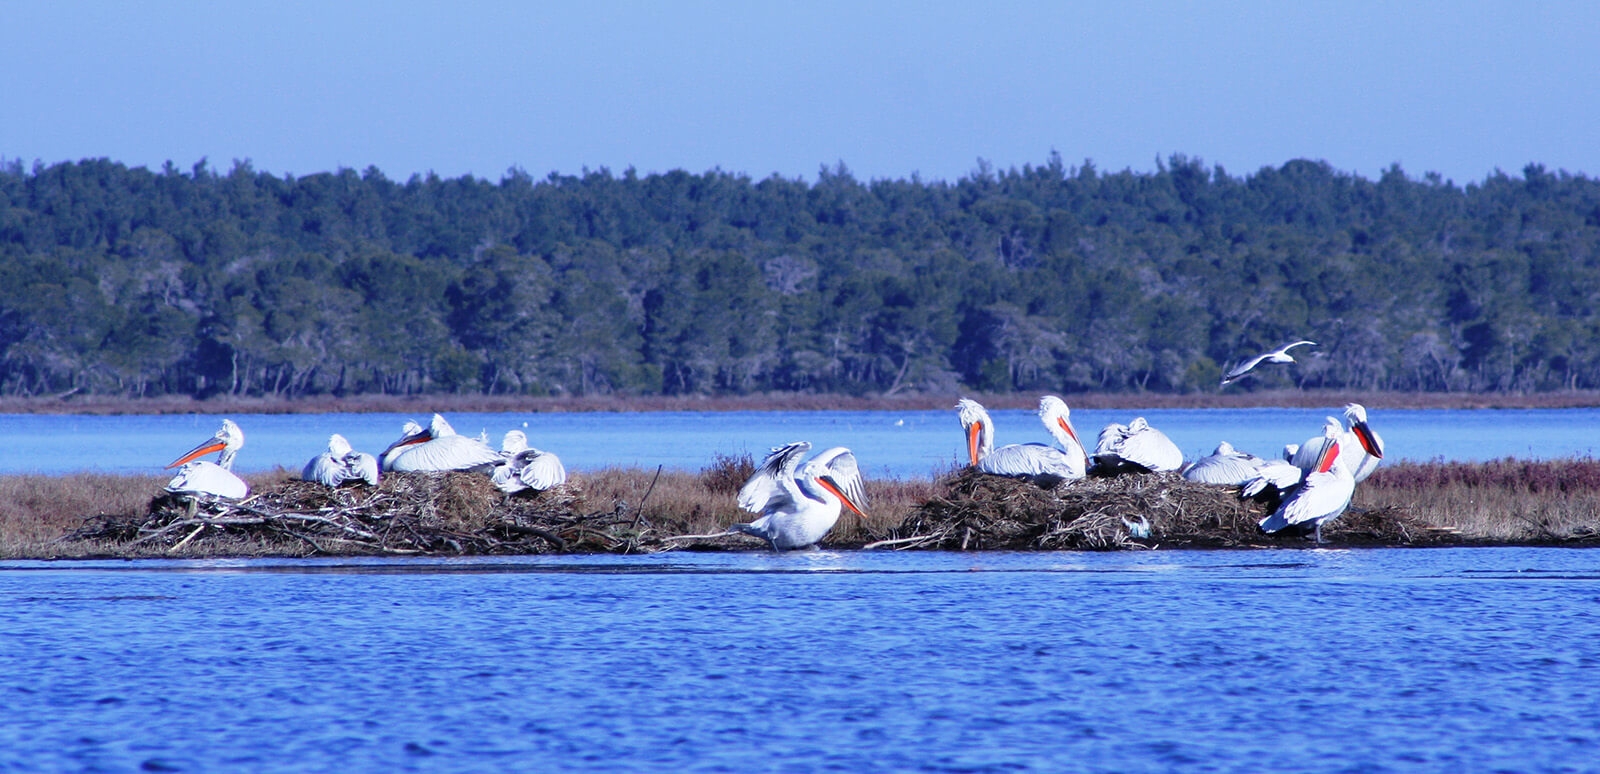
{"x":1363,"y":448}
{"x":1043,"y":465}
{"x":203,"y":477}
{"x":1322,"y":496}
{"x":799,"y":504}
{"x":438,"y":448}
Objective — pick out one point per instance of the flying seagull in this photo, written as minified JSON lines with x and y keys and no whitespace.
{"x":1279,"y":355}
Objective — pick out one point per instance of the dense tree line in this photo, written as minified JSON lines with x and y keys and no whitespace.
{"x":119,"y":280}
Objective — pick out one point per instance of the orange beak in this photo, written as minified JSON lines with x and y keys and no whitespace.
{"x":1370,"y":444}
{"x":203,"y":449}
{"x":1068,"y":427}
{"x":827,"y":483}
{"x":1330,"y":454}
{"x":972,"y":441}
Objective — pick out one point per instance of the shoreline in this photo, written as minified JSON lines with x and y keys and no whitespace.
{"x":106,"y":405}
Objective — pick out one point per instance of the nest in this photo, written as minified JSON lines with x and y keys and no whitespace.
{"x":980,"y":512}
{"x":407,"y":513}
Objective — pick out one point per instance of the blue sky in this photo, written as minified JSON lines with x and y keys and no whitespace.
{"x":887,"y":88}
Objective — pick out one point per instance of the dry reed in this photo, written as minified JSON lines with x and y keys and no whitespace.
{"x":624,"y":510}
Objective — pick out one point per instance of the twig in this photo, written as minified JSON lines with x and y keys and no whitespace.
{"x":639,"y":511}
{"x":186,"y":540}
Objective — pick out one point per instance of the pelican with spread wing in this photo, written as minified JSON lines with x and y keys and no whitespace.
{"x":203,"y":477}
{"x":799,"y":503}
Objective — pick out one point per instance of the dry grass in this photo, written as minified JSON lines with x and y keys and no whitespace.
{"x":1507,"y":501}
{"x":623,"y":510}
{"x":412,"y":404}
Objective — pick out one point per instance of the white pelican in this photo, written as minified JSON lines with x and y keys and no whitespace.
{"x":798,"y":507}
{"x":211,"y":478}
{"x":1322,"y":496}
{"x":438,"y":448}
{"x":1279,"y":355}
{"x":1138,"y":446}
{"x":1226,"y":467}
{"x":1043,"y":465}
{"x":1363,"y":447}
{"x":524,"y":467}
{"x":340,"y":463}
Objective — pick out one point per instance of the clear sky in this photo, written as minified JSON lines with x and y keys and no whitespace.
{"x":887,"y":88}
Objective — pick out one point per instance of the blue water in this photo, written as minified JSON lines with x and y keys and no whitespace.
{"x":1305,"y":661}
{"x":888,"y":443}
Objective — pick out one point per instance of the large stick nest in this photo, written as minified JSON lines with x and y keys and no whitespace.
{"x":980,"y":511}
{"x":407,"y":513}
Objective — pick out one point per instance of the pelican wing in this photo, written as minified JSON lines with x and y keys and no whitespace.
{"x":324,"y":469}
{"x":845,"y":474}
{"x":450,"y":452}
{"x":1035,"y":461}
{"x":208,"y":478}
{"x":1152,"y":450}
{"x":541,"y":470}
{"x":780,"y":464}
{"x":361,"y":465}
{"x":1223,"y":469}
{"x":1322,"y":496}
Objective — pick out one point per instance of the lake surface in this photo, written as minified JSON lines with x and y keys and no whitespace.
{"x":888,"y":443}
{"x":1305,"y":661}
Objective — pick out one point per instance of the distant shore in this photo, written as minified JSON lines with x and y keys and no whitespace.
{"x":412,"y":404}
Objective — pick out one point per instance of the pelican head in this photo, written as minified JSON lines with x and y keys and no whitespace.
{"x":338,"y":446}
{"x":228,"y":440}
{"x":1223,"y":449}
{"x":1055,"y":413}
{"x":979,"y":429}
{"x":514,"y":442}
{"x":1356,"y":415}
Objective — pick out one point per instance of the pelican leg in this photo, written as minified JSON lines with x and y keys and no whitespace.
{"x":1320,"y":541}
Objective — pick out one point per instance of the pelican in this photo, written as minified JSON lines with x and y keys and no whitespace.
{"x":1226,"y":467}
{"x":1279,"y":355}
{"x":1322,"y":496}
{"x":524,"y":467}
{"x":438,"y":448}
{"x":340,"y":463}
{"x":1136,"y":447}
{"x":800,"y":503}
{"x":1043,"y":465}
{"x":1363,"y":447}
{"x":211,"y":478}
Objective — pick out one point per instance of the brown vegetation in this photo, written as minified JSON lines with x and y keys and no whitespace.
{"x":1229,"y":398}
{"x":632,"y":510}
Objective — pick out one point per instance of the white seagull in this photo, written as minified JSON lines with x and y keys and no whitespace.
{"x":799,"y":504}
{"x":1321,"y":497}
{"x":1362,"y":447}
{"x":211,"y":478}
{"x":340,"y":463}
{"x":1136,"y":447}
{"x":1043,"y":465}
{"x":524,"y":467}
{"x":1279,"y":355}
{"x":438,"y":448}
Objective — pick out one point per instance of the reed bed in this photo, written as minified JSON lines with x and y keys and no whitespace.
{"x":632,"y":510}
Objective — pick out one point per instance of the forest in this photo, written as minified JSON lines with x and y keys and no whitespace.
{"x":118,"y":280}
